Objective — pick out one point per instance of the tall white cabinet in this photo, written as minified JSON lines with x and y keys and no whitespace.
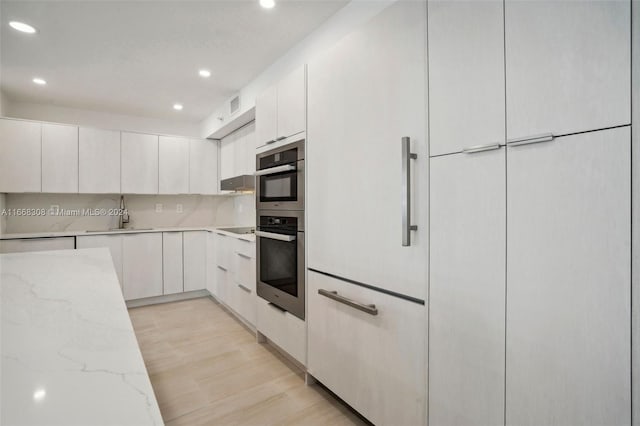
{"x":357,"y":118}
{"x":20,"y":156}
{"x":59,"y":158}
{"x":568,"y":278}
{"x":99,"y":161}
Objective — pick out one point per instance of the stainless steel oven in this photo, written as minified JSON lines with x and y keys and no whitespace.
{"x":280,"y":178}
{"x":280,"y":259}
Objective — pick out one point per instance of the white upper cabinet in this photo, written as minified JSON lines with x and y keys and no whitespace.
{"x":568,"y":281}
{"x":267,"y":116}
{"x":357,"y":119}
{"x":567,"y":66}
{"x":466,"y":74}
{"x":292,"y":102}
{"x":59,"y":158}
{"x":20,"y":156}
{"x":99,"y":161}
{"x":227,"y":157}
{"x":203,"y":166}
{"x":173,"y":165}
{"x":281,"y":109}
{"x":139,"y":163}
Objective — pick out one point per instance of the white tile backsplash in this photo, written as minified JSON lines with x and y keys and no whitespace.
{"x":197,"y":210}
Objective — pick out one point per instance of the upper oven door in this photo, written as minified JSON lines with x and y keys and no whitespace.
{"x":280,"y":178}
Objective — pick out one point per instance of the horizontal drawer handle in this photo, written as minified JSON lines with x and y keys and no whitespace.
{"x":222,"y":268}
{"x":277,"y":308}
{"x":481,"y":148}
{"x":276,"y":169}
{"x":247,"y":289}
{"x":369,"y":309}
{"x":274,"y":236}
{"x":243,"y":255}
{"x":222,"y":235}
{"x":271,"y":141}
{"x":547,"y":137}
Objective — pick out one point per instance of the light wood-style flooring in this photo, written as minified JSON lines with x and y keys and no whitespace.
{"x":207,"y":369}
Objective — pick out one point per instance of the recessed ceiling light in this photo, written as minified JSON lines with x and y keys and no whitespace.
{"x":22,"y":27}
{"x":177,"y":107}
{"x":267,"y":4}
{"x":39,"y":81}
{"x":204,"y":73}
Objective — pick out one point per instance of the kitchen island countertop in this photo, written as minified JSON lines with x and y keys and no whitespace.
{"x":69,"y":352}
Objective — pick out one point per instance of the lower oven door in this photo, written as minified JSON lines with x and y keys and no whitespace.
{"x":280,"y":269}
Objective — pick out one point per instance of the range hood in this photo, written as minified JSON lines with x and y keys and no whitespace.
{"x":239,"y":183}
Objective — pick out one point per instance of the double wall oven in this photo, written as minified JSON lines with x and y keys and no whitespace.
{"x":280,"y":227}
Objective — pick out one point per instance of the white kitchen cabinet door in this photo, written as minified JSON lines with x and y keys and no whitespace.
{"x":568,"y":66}
{"x":222,"y":284}
{"x":240,"y":149}
{"x":195,"y":260}
{"x":139,"y":163}
{"x":224,"y":248}
{"x":36,"y":244}
{"x":142,"y":265}
{"x":250,"y":148}
{"x":112,"y":242}
{"x":357,"y":118}
{"x":172,"y":273}
{"x":20,"y":156}
{"x":245,"y":286}
{"x":466,"y":74}
{"x":59,"y":158}
{"x":227,"y":157}
{"x":99,"y":161}
{"x":212,"y":286}
{"x":173,"y":165}
{"x":568,"y":280}
{"x":292,"y":103}
{"x":203,"y":166}
{"x":267,"y":116}
{"x":467,"y":289}
{"x":376,"y":363}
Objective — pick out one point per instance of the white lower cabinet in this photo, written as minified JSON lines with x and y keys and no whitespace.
{"x":113,"y":242}
{"x":172,"y":263}
{"x":194,"y":246}
{"x":376,"y":363}
{"x":222,"y":284}
{"x":244,"y":285}
{"x":142,"y":265}
{"x":36,"y":244}
{"x":467,"y":289}
{"x":287,"y":331}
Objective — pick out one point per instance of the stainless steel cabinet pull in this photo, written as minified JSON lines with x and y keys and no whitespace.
{"x":277,"y":308}
{"x":369,"y":309}
{"x":481,"y":148}
{"x":279,"y":138}
{"x":274,"y":170}
{"x":547,"y":137}
{"x":407,"y":156}
{"x":274,"y":236}
{"x":243,"y":255}
{"x":222,"y":268}
{"x":271,"y":141}
{"x":248,"y":290}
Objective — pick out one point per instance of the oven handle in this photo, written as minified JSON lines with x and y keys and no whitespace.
{"x":277,"y":169}
{"x":274,"y":236}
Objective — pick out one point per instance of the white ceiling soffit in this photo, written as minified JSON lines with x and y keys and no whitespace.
{"x":141,"y":57}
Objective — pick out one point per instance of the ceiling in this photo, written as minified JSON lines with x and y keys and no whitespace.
{"x":139,"y":57}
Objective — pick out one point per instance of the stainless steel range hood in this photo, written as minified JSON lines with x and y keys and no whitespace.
{"x":239,"y":183}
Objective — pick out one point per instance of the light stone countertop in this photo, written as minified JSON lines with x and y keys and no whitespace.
{"x":69,"y":352}
{"x":79,"y":233}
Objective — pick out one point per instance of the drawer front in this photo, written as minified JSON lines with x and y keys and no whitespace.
{"x":243,"y":302}
{"x":282,"y":328}
{"x":245,"y":248}
{"x":376,"y":363}
{"x":224,"y":248}
{"x":245,"y":271}
{"x":222,"y":284}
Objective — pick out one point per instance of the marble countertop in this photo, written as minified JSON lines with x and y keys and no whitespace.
{"x":69,"y":352}
{"x":51,"y":234}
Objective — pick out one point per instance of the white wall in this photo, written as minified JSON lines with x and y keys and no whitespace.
{"x":104,"y":120}
{"x":339,"y":25}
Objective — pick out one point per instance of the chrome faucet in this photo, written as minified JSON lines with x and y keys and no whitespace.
{"x":123,"y":216}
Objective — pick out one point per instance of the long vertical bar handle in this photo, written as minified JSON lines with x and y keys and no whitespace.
{"x":407,"y":156}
